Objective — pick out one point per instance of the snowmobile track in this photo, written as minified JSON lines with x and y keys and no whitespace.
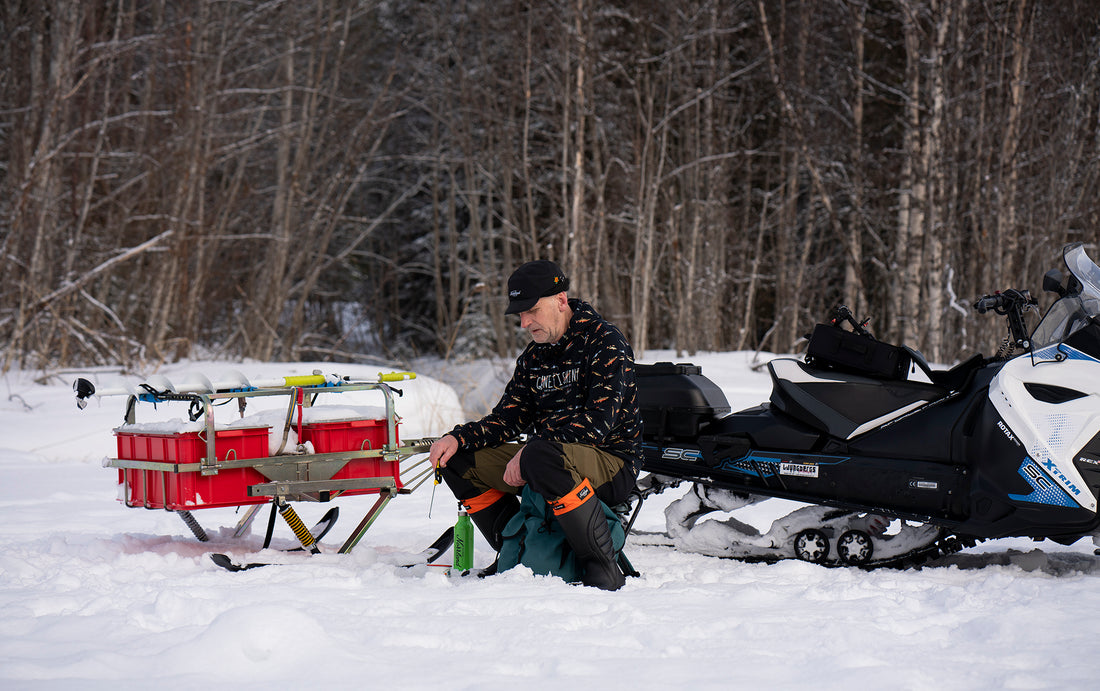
{"x":944,"y":545}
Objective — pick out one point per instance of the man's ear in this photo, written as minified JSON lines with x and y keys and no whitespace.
{"x":563,"y":301}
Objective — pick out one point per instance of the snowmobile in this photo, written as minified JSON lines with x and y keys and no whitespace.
{"x":896,"y":462}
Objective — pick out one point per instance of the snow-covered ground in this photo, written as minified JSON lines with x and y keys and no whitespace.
{"x":95,"y":595}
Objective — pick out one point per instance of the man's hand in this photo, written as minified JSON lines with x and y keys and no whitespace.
{"x":441,"y":450}
{"x":511,"y":472}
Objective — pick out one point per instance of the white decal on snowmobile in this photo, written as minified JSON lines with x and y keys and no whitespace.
{"x":675,"y":454}
{"x":1040,"y":480}
{"x":1011,"y":437}
{"x":879,"y":422}
{"x":798,"y":469}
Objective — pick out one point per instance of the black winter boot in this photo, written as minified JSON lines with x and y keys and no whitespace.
{"x":585,"y":526}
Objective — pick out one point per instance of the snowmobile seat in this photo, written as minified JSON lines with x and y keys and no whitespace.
{"x":844,"y":405}
{"x":916,"y":359}
{"x":959,"y":377}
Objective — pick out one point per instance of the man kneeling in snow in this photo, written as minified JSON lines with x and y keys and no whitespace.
{"x":573,"y":394}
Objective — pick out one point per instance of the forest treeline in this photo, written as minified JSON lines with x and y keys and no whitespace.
{"x":330,"y":179}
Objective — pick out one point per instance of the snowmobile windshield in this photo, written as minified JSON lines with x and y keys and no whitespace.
{"x":1083,"y":269}
{"x":1073,"y":312}
{"x":1064,"y":318}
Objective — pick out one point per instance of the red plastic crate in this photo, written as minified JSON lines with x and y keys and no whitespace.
{"x":156,"y":489}
{"x":353,"y":435}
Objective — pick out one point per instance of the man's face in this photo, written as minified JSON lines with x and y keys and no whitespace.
{"x":548,"y":319}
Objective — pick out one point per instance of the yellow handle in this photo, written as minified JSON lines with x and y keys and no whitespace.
{"x":396,"y":376}
{"x":304,"y":380}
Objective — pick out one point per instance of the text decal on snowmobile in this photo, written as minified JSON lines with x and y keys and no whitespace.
{"x":675,"y":454}
{"x":1045,"y":491}
{"x":924,"y":484}
{"x":1008,"y":433}
{"x":1051,"y":468}
{"x":798,"y":469}
{"x":797,"y":465}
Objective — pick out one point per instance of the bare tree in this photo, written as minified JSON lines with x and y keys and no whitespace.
{"x":323,"y":179}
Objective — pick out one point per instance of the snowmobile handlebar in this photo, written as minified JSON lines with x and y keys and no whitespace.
{"x":842,"y":314}
{"x":1012,"y":304}
{"x":1005,"y":302}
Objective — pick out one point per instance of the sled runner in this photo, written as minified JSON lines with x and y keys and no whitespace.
{"x":307,"y":449}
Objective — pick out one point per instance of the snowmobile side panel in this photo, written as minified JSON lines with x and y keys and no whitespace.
{"x":1051,"y":430}
{"x":765,"y":428}
{"x":909,"y":436}
{"x":1011,"y":494}
{"x":911,"y":487}
{"x":931,"y":492}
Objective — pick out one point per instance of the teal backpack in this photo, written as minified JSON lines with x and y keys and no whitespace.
{"x":533,"y":538}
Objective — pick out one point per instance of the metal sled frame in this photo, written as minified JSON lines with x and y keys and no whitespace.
{"x":292,"y":477}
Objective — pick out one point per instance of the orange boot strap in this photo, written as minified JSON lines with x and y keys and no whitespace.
{"x":577,"y":496}
{"x":482,"y":501}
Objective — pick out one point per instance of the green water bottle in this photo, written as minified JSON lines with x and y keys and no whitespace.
{"x":464,"y":545}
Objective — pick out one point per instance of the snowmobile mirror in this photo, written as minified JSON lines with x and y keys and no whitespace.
{"x":1052,"y":283}
{"x":84,"y":389}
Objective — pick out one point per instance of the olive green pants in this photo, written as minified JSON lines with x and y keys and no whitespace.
{"x":552,"y":470}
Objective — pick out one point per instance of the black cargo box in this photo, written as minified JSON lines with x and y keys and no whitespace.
{"x":675,"y":400}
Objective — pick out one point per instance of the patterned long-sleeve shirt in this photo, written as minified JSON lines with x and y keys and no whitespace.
{"x":577,"y":390}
